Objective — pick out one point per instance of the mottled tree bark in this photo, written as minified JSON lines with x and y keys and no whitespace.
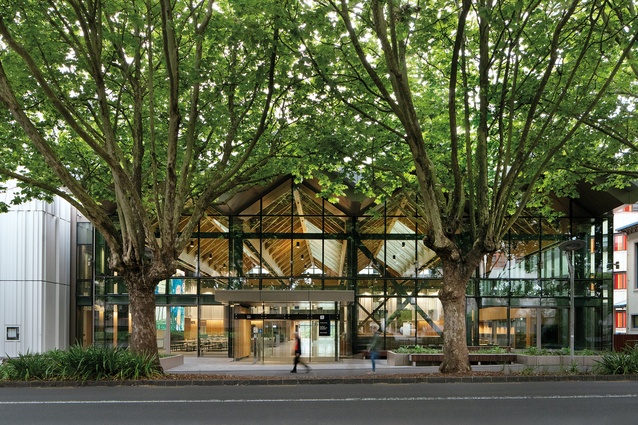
{"x":143,"y":339}
{"x":456,"y":275}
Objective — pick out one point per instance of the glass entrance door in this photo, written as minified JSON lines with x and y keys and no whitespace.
{"x":265,"y":332}
{"x":277,"y":339}
{"x":274,"y":341}
{"x":324,"y":341}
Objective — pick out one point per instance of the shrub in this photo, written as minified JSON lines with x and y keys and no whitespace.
{"x":417,"y":349}
{"x":564,"y":351}
{"x":81,"y":364}
{"x":618,"y":363}
{"x":29,"y":366}
{"x":492,"y":350}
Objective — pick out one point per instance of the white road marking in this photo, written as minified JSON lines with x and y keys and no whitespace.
{"x":323,"y":400}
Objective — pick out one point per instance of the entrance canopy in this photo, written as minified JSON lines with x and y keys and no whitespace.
{"x":250,"y":296}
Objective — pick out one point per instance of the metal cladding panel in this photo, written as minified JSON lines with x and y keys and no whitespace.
{"x":8,"y":248}
{"x":35,"y":276}
{"x":56,"y":247}
{"x":21,"y":304}
{"x":55,"y":316}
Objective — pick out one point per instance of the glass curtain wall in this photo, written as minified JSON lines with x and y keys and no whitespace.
{"x":289,"y":239}
{"x":84,"y":284}
{"x":398,"y":279}
{"x":523,"y":290}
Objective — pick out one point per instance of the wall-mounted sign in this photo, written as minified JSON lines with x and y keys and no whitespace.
{"x":13,"y":333}
{"x":324,"y":325}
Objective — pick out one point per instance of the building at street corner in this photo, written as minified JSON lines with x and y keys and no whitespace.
{"x":277,"y":260}
{"x":629,"y":234}
{"x":625,"y":217}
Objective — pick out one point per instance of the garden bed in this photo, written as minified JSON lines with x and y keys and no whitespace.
{"x":532,"y":359}
{"x":554,"y":363}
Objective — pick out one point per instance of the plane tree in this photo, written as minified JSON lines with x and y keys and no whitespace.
{"x":471,"y":104}
{"x":608,"y":154}
{"x":146,"y":109}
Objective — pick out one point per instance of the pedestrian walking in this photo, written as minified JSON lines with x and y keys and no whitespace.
{"x":373,"y":347}
{"x":297,"y":353}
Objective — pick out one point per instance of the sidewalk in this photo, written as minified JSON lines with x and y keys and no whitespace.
{"x":343,"y":368}
{"x":209,"y":371}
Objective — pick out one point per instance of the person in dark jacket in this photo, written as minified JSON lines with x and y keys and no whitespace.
{"x":373,"y":347}
{"x":297,"y":352}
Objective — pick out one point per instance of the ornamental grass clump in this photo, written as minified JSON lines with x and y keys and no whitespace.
{"x":618,"y":363}
{"x":80,"y":364}
{"x":28,"y":367}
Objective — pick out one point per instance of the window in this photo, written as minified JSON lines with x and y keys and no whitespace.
{"x":620,"y":280}
{"x":621,"y":319}
{"x":634,"y":321}
{"x":620,"y":242}
{"x":13,"y":333}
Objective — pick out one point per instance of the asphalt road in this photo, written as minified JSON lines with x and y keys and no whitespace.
{"x":455,"y":403}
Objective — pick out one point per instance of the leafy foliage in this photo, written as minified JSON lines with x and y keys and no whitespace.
{"x":564,"y":351}
{"x":495,"y":117}
{"x":618,"y":363}
{"x":80,"y":364}
{"x":418,"y":349}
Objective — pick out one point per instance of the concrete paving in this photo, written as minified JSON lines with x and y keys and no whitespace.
{"x":341,"y":368}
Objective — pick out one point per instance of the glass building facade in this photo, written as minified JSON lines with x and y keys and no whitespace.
{"x":284,"y":260}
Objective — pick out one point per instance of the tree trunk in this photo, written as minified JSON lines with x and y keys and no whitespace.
{"x":452,"y":296}
{"x":142,"y":309}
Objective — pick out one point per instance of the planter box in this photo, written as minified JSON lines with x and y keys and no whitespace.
{"x":492,"y":358}
{"x":478,"y":359}
{"x":398,"y":359}
{"x":171,"y":361}
{"x":540,"y":363}
{"x":557,"y":363}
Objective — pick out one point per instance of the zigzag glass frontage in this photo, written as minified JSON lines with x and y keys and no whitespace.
{"x":289,"y":261}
